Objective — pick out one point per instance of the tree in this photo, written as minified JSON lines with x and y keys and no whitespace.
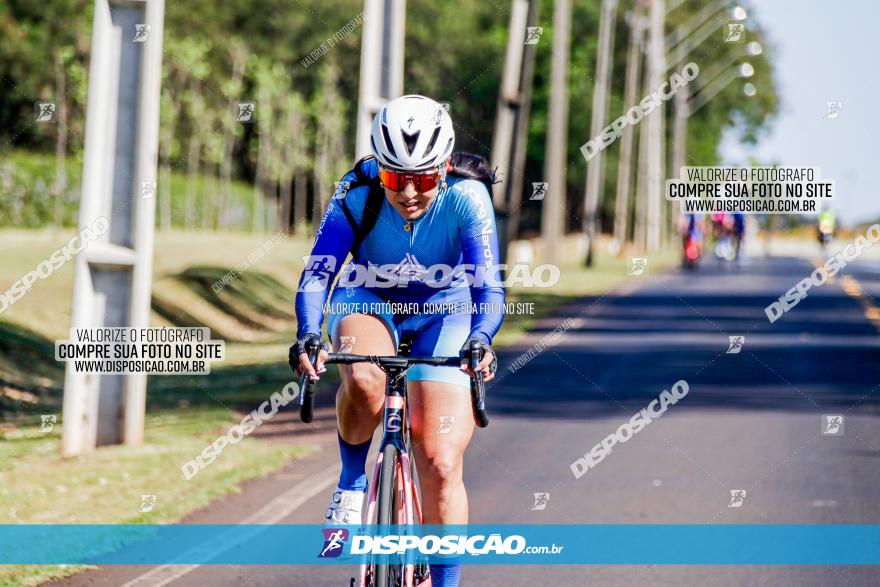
{"x":188,"y":57}
{"x":271,"y":83}
{"x":232,"y":128}
{"x":60,"y":185}
{"x":330,"y":130}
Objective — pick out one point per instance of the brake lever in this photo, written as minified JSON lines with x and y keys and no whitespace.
{"x":478,"y":389}
{"x":305,"y":381}
{"x":476,"y":354}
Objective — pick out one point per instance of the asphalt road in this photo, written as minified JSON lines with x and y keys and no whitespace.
{"x":752,"y":420}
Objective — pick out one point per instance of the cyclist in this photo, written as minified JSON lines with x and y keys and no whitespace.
{"x":691,"y":229}
{"x":428,"y":213}
{"x":827,"y":224}
{"x":738,"y":232}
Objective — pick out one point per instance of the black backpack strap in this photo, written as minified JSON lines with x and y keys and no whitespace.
{"x":371,"y":215}
{"x":372,"y":207}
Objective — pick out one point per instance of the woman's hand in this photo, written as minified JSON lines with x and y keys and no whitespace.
{"x":303,"y":348}
{"x":488,"y":363}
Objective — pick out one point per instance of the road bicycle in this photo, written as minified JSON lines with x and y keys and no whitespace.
{"x":393,"y":491}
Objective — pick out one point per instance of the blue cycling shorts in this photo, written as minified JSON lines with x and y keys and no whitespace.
{"x":434,"y":335}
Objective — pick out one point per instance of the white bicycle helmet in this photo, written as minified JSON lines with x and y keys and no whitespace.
{"x":412,"y":133}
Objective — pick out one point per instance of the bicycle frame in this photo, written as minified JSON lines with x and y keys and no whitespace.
{"x":396,"y":430}
{"x":396,"y":433}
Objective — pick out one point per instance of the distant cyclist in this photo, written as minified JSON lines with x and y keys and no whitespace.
{"x":738,"y":233}
{"x":691,"y":229}
{"x":411,"y":206}
{"x":728,"y":231}
{"x":827,"y":224}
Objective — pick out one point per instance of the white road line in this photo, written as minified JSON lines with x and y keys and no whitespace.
{"x":272,"y":513}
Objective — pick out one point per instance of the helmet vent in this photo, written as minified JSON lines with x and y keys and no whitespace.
{"x":449,"y":144}
{"x":411,"y":140}
{"x":433,"y":141}
{"x":388,"y":142}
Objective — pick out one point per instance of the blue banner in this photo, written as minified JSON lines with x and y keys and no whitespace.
{"x":577,"y":544}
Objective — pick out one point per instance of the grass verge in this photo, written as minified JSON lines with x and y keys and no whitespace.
{"x":39,"y":487}
{"x":254,"y":313}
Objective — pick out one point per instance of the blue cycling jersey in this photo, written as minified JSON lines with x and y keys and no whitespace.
{"x":452,"y":246}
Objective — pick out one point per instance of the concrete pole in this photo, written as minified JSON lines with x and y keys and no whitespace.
{"x":601,"y":91}
{"x":381,"y":76}
{"x":654,"y":124}
{"x":678,"y":148}
{"x":641,"y":228}
{"x":679,"y":131}
{"x":112,"y":277}
{"x":144,"y":228}
{"x":520,"y":138}
{"x":368,"y":95}
{"x":506,"y":116}
{"x":553,"y":211}
{"x":624,"y":169}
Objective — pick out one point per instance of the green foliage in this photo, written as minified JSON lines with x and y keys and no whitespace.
{"x":25,"y":198}
{"x":454,"y":52}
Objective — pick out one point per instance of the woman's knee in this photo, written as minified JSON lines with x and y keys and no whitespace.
{"x":444,"y":468}
{"x":364,"y":381}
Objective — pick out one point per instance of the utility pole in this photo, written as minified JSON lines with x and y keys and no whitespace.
{"x":112,"y":277}
{"x":511,"y":122}
{"x":522,"y":127}
{"x":381,"y":64}
{"x":654,"y":125}
{"x":597,"y":122}
{"x":641,"y":227}
{"x":553,"y":211}
{"x":679,"y":131}
{"x":624,"y":169}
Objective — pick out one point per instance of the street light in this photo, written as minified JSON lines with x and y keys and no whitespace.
{"x":749,"y":89}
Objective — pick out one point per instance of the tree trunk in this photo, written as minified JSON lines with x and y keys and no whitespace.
{"x":165,"y":193}
{"x":193,"y":165}
{"x":263,"y":157}
{"x":165,"y":178}
{"x":194,"y":161}
{"x":257,"y":225}
{"x":300,"y":187}
{"x":209,"y":195}
{"x":60,"y":186}
{"x":318,"y":204}
{"x":284,"y":223}
{"x":225,"y":196}
{"x":272,"y":207}
{"x":220,"y":200}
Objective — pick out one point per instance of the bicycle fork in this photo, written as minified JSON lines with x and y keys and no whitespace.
{"x":407,"y":510}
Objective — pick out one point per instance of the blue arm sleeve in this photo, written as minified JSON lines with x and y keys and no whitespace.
{"x":479,"y":240}
{"x":332,"y":244}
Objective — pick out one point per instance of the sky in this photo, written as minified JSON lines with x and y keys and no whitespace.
{"x":824,"y":50}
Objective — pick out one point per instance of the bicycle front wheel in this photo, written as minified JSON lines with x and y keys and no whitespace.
{"x":388,"y":575}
